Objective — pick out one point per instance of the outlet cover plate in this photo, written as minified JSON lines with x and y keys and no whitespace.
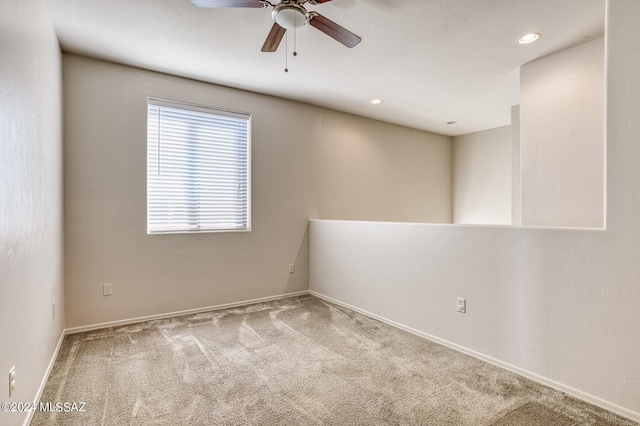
{"x":12,"y":381}
{"x":107,"y":290}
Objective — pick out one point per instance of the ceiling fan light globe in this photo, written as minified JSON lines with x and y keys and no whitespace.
{"x":290,"y":16}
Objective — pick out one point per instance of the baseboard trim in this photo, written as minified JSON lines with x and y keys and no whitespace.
{"x":83,"y":328}
{"x":522,"y":372}
{"x":45,"y":378}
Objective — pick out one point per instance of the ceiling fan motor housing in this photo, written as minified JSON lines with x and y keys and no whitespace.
{"x":290,"y":15}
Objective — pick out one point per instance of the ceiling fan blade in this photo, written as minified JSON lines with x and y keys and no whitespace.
{"x":229,"y":3}
{"x":334,"y":30}
{"x":273,"y":39}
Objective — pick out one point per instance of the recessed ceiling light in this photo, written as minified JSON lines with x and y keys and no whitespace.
{"x":529,"y":38}
{"x":375,"y":101}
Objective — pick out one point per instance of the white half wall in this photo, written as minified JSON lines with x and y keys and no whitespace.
{"x":482,"y":177}
{"x":307,"y":162}
{"x":562,"y":138}
{"x":31,"y":260}
{"x":559,"y":304}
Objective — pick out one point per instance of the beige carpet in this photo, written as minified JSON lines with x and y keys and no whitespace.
{"x":298,"y":361}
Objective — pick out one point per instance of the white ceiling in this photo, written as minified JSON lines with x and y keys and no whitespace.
{"x":431,"y":61}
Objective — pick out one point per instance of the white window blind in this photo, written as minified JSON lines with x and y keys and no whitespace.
{"x":198,"y":169}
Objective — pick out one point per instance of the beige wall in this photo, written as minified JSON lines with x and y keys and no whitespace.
{"x":306,"y":162}
{"x":562,"y":138}
{"x":31,"y":261}
{"x":482,"y":177}
{"x":369,"y":170}
{"x":516,"y":170}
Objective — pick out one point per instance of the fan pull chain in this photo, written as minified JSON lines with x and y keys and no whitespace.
{"x":286,"y":52}
{"x":295,"y":48}
{"x":286,"y":44}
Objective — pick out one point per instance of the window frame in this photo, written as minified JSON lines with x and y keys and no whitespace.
{"x":202,"y":109}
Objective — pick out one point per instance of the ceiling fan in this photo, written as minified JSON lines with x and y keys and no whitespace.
{"x":288,"y":15}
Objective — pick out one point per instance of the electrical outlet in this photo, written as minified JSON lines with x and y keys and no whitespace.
{"x":107,"y":290}
{"x":292,"y":268}
{"x":12,"y":381}
{"x":462,"y":305}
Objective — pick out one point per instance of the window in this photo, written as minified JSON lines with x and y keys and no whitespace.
{"x":198,"y":174}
